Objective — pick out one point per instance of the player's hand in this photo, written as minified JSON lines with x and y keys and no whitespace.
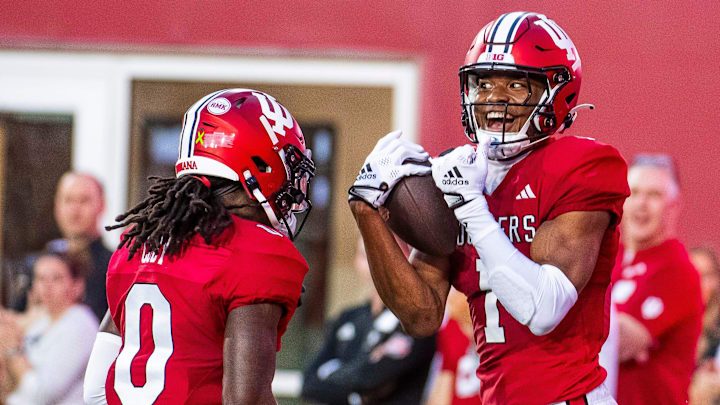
{"x":391,"y":160}
{"x":460,"y":174}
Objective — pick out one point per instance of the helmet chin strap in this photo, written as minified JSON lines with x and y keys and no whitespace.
{"x":287,"y":227}
{"x":508,"y":145}
{"x":520,"y":141}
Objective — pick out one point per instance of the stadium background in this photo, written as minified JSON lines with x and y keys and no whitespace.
{"x":98,"y":86}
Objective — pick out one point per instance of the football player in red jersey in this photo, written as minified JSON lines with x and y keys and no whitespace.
{"x":539,"y":213}
{"x":206,"y":277}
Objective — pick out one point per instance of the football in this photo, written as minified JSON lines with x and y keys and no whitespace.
{"x":420,"y":216}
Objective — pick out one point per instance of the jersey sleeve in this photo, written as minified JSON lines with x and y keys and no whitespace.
{"x":266,"y":268}
{"x":660,"y":302}
{"x":593,"y":178}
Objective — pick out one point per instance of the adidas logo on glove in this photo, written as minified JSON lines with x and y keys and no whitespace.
{"x":366,"y":173}
{"x":454,"y":178}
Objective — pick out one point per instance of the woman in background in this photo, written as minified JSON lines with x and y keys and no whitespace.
{"x":46,"y":363}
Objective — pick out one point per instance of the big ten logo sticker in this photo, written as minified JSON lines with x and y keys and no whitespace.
{"x":492,"y":57}
{"x":561,"y":39}
{"x":273,"y":111}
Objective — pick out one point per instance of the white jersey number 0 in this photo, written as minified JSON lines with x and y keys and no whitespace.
{"x":139,"y":296}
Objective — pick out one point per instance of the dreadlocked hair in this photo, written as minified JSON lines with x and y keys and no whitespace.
{"x":174,"y":211}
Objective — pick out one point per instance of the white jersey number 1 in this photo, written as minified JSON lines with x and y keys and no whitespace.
{"x":494,"y":333}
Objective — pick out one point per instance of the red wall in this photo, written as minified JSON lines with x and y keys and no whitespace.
{"x":651,"y":68}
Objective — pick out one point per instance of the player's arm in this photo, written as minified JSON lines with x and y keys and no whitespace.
{"x":571,"y":242}
{"x":105,"y":350}
{"x":537,"y":292}
{"x":415,"y":292}
{"x":249,"y":354}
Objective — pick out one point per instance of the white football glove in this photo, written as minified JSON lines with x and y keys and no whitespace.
{"x":391,"y":160}
{"x":460,"y":174}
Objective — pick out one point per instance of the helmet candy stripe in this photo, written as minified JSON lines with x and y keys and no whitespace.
{"x":495,"y":29}
{"x":513,"y":31}
{"x":504,"y":29}
{"x":188,"y":131}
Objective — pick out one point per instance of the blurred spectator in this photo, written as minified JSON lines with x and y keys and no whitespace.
{"x":705,"y":388}
{"x":706,"y":262}
{"x":656,"y":290}
{"x":456,"y":382}
{"x":46,"y":363}
{"x":79,"y":203}
{"x":366,"y":358}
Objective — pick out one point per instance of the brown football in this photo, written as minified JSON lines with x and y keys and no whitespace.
{"x":420,"y":216}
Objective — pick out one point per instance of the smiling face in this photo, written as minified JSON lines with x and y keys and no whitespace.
{"x":651,"y":210}
{"x":511,"y":98}
{"x":54,"y":284}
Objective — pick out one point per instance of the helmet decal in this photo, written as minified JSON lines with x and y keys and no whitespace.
{"x":277,"y":113}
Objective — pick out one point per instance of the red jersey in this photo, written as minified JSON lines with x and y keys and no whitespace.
{"x":172,"y":311}
{"x":517,"y":367}
{"x":459,"y":358}
{"x":661,"y":289}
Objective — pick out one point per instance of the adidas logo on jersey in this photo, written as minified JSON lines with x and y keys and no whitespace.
{"x":454,"y":177}
{"x":526,"y":193}
{"x":366,"y":173}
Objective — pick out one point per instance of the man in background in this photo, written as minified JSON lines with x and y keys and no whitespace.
{"x":656,"y":290}
{"x":79,"y":203}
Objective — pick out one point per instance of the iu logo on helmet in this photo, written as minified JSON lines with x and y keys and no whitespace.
{"x":279,"y":114}
{"x":561,"y":39}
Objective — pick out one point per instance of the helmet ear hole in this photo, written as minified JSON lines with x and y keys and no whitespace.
{"x":261,"y":165}
{"x":570,"y":98}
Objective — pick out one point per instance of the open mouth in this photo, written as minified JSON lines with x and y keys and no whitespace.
{"x":495,"y":120}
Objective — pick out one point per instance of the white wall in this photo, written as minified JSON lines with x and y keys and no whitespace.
{"x":96,"y":89}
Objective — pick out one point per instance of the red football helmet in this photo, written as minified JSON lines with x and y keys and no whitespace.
{"x":531,"y":46}
{"x":247,"y":136}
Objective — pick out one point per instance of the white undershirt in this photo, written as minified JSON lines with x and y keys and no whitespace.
{"x":497,"y":170}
